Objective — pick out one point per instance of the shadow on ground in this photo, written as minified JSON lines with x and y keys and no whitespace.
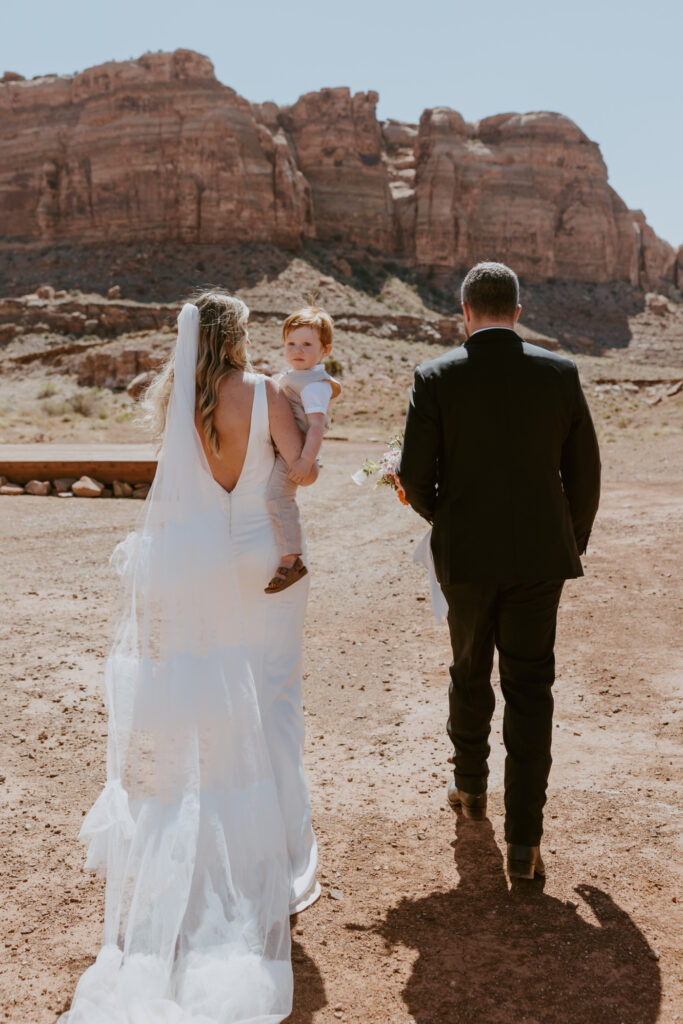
{"x":488,"y":954}
{"x":309,"y":988}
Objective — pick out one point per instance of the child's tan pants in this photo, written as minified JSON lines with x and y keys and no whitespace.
{"x":283,"y":509}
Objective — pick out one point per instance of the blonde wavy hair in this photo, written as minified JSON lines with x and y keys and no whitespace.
{"x":222,"y":349}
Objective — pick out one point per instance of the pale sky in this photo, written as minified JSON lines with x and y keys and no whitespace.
{"x":613,"y":67}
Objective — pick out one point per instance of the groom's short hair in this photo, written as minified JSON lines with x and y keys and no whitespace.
{"x":491,"y":289}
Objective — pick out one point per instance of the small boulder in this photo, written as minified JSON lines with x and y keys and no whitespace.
{"x":3,"y":481}
{"x":86,"y":487}
{"x":141,"y":491}
{"x":657,"y":304}
{"x":46,"y":291}
{"x":10,"y":489}
{"x":61,"y":293}
{"x":139,"y":384}
{"x":38,"y":487}
{"x":107,"y":493}
{"x":63,"y":483}
{"x":114,"y":292}
{"x":121,"y":489}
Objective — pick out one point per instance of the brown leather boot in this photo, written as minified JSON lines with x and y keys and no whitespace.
{"x":473,"y":805}
{"x":524,"y":861}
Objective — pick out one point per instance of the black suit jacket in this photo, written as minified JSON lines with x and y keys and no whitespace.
{"x":500,"y":454}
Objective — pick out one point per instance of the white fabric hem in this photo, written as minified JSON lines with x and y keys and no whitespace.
{"x":306,"y":901}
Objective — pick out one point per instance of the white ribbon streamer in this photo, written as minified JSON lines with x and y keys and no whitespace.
{"x":423,"y":556}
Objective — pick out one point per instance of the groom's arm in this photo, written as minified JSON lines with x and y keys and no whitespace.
{"x":418,"y":468}
{"x":580,"y":467}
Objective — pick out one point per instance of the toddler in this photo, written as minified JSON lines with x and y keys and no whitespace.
{"x":307,"y":339}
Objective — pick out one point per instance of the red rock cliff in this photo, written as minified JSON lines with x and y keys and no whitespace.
{"x":157,"y":148}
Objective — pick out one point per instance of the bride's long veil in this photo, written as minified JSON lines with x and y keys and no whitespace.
{"x":188,"y":829}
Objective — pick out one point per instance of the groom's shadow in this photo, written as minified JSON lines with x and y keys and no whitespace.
{"x":488,"y":954}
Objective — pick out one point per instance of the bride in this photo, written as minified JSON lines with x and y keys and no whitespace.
{"x":203,"y":829}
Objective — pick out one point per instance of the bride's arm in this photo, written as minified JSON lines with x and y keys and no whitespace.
{"x":284,"y":430}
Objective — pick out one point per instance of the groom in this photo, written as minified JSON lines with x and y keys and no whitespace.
{"x":500,"y":455}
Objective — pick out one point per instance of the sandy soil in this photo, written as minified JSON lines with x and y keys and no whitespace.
{"x":417,"y":921}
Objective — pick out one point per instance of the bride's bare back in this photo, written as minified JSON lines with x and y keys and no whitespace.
{"x":232,"y":419}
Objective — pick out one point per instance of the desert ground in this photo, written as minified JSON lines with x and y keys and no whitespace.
{"x":417,"y":922}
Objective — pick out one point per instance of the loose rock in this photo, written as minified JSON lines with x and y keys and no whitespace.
{"x":86,"y":487}
{"x":11,"y":489}
{"x":121,"y":489}
{"x":63,"y":483}
{"x":141,"y":491}
{"x":38,"y":487}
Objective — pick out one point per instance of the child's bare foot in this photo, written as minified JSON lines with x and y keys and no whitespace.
{"x":290,"y":570}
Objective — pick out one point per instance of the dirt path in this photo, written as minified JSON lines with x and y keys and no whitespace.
{"x":417,"y":922}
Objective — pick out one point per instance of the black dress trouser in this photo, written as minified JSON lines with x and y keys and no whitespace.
{"x":519,"y":619}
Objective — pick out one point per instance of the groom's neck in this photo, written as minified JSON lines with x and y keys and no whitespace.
{"x":485,"y":325}
{"x":476,"y":320}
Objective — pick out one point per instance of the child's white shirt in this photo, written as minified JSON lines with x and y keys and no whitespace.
{"x":316,"y":397}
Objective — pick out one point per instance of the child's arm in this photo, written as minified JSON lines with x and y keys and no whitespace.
{"x":301,"y":468}
{"x":284,"y":431}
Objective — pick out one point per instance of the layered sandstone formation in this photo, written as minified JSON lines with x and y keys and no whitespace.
{"x":158,"y":149}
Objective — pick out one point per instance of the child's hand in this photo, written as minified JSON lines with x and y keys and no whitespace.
{"x":300,"y":470}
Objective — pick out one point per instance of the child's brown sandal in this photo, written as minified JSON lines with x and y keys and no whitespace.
{"x":285,"y":576}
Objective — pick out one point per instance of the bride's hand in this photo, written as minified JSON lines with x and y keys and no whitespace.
{"x":301,"y":472}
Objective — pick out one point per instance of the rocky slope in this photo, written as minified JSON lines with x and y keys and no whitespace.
{"x":157,"y":150}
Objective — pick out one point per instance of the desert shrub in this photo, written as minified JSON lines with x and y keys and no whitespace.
{"x":47,"y":391}
{"x":334,"y":367}
{"x":56,"y":406}
{"x":84,"y":403}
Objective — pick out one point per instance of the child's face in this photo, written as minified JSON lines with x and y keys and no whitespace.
{"x":303,"y":348}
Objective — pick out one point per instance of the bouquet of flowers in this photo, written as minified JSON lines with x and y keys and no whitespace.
{"x":385,"y":470}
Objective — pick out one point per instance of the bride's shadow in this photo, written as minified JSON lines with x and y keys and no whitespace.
{"x":309,"y":988}
{"x":487,"y":953}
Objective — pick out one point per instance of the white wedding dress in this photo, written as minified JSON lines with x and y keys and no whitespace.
{"x":203,"y":829}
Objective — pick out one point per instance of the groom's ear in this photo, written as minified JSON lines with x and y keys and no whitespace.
{"x":519,"y":310}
